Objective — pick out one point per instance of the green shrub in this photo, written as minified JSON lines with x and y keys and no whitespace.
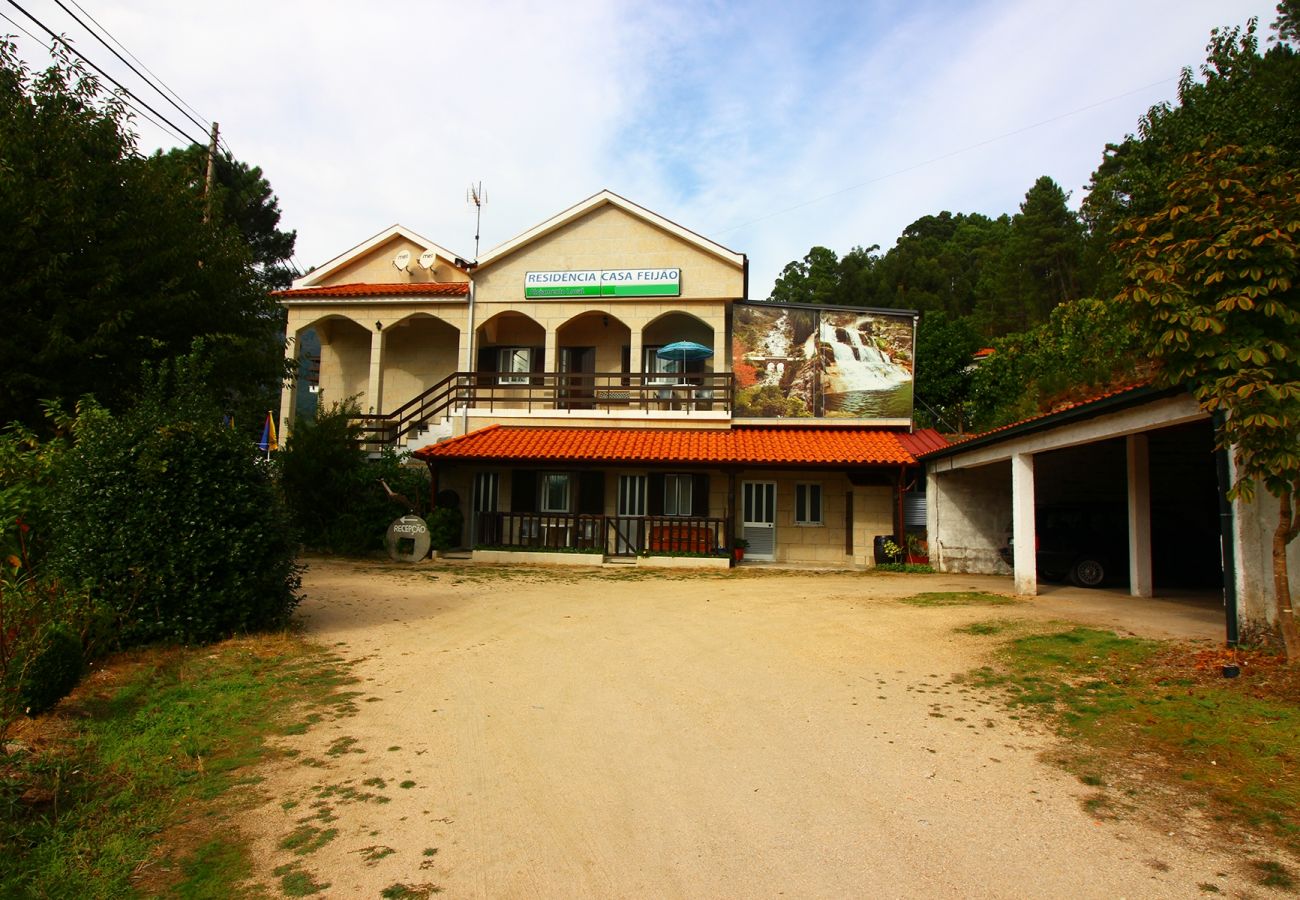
{"x":172,"y":520}
{"x":53,"y":667}
{"x":445,"y":525}
{"x":332,"y":486}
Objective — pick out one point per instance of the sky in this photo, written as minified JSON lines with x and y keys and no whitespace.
{"x":766,"y":127}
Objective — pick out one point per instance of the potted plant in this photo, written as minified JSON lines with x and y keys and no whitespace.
{"x":738,"y":548}
{"x":918,"y":550}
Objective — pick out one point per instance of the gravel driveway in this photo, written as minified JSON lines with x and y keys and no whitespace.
{"x":550,"y":733}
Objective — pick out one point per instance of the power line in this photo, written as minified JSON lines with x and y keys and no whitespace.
{"x":59,"y":39}
{"x":137,"y":59}
{"x":128,"y":65}
{"x":942,"y":156}
{"x":20,"y":28}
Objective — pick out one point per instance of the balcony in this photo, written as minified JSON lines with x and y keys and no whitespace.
{"x":573,"y":395}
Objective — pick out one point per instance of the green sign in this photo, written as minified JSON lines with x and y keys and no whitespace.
{"x":604,"y":283}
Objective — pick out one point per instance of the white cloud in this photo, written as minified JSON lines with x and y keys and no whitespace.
{"x":721,"y":116}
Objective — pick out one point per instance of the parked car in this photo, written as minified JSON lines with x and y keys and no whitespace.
{"x":1086,"y":544}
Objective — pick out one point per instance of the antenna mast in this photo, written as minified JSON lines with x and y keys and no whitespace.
{"x":476,"y":196}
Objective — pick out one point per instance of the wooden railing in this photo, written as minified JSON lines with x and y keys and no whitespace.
{"x":609,"y":535}
{"x":545,"y":391}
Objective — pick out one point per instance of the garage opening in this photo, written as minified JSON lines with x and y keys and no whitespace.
{"x":1081,"y":511}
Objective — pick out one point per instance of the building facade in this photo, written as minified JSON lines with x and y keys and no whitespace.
{"x":543,"y":385}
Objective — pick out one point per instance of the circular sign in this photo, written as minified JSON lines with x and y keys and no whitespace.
{"x":408,"y":539}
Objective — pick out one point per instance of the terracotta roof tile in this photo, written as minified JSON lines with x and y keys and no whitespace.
{"x":428,"y":289}
{"x":741,"y":445}
{"x":1055,"y":410}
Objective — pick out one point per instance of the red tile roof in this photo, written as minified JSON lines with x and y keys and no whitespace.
{"x":740,"y":445}
{"x":430,"y":289}
{"x":1057,"y":409}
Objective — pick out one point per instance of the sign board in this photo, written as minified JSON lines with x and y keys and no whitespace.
{"x":603,"y":283}
{"x":408,"y":539}
{"x":796,"y":361}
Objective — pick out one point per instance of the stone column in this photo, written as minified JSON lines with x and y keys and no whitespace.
{"x":1139,"y":516}
{"x":289,"y":391}
{"x":1022,"y":518}
{"x":375,"y":386}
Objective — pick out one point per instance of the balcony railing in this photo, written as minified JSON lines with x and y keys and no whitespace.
{"x":540,"y":392}
{"x":608,"y":535}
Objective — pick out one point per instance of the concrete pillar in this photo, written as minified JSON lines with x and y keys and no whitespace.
{"x":289,"y":390}
{"x":1139,"y":516}
{"x":552,"y":353}
{"x":634,"y":354}
{"x":1022,"y":519}
{"x":375,"y":386}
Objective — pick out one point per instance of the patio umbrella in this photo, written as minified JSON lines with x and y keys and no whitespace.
{"x":686,"y":351}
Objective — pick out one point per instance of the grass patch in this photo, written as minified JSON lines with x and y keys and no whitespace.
{"x":984,"y":629}
{"x":957,"y":598}
{"x":121,"y":788}
{"x":1136,"y":710}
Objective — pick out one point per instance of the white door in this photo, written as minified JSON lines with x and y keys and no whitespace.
{"x":758,"y":519}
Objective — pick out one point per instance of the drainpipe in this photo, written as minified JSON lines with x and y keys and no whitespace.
{"x":1227,"y":543}
{"x":464,"y":424}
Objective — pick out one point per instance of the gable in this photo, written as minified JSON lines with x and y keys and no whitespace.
{"x":607,"y":236}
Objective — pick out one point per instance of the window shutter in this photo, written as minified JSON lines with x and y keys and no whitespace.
{"x":655,"y":489}
{"x":487,"y":363}
{"x":523,"y":491}
{"x":700,"y":496}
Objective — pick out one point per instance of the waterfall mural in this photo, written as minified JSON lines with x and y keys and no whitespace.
{"x":797,"y":361}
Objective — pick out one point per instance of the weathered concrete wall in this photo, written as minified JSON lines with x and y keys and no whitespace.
{"x":1254,"y":524}
{"x":967,"y":517}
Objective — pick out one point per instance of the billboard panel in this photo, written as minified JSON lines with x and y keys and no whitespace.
{"x":810,"y":361}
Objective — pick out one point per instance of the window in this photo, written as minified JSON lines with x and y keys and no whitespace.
{"x":555,"y":492}
{"x":486,"y":490}
{"x":653,"y":364}
{"x":678,"y":494}
{"x":514,"y":364}
{"x":808,"y":504}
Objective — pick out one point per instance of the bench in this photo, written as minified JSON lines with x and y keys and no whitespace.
{"x":681,"y":539}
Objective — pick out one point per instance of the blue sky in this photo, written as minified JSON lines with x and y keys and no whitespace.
{"x":769,"y":127}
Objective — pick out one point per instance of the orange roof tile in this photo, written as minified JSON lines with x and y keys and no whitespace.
{"x":1058,"y":409}
{"x":430,"y":289}
{"x":741,"y":445}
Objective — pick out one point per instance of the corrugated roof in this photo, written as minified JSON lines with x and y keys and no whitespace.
{"x":430,"y":289}
{"x":741,"y":445}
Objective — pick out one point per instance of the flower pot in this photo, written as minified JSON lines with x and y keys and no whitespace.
{"x":739,"y":552}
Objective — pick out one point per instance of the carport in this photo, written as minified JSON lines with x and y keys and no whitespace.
{"x":1128,"y":483}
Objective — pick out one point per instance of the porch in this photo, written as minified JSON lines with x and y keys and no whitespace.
{"x":610,"y":535}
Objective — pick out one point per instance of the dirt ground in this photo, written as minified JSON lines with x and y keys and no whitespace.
{"x":550,"y":733}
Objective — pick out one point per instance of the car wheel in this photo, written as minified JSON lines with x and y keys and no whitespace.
{"x":1088,"y":572}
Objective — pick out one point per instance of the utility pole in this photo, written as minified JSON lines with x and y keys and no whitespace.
{"x":212,"y":171}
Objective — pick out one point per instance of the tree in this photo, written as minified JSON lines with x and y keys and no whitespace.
{"x":1242,"y":98}
{"x":107,"y":262}
{"x":244,"y":199}
{"x":945,"y":349}
{"x":171,"y":519}
{"x":1212,"y":293}
{"x":815,"y":279}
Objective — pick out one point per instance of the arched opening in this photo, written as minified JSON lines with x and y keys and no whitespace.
{"x":419,"y":351}
{"x":669,"y":329}
{"x":344,"y":359}
{"x":590,"y":343}
{"x":511,"y":347}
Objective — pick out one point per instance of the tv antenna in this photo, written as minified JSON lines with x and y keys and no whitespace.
{"x":476,"y":196}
